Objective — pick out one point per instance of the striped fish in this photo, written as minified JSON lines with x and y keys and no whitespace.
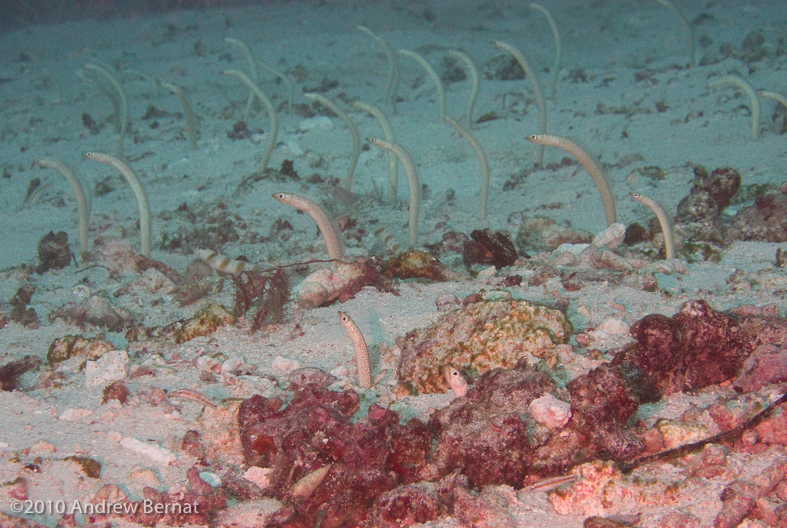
{"x":388,"y":238}
{"x":219,"y":262}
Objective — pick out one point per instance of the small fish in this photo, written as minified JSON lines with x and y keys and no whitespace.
{"x":456,"y":381}
{"x":388,"y":238}
{"x":219,"y":262}
{"x":549,"y":484}
{"x":193,"y":395}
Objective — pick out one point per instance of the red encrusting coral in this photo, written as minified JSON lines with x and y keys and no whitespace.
{"x":328,"y":467}
{"x":267,"y":290}
{"x":696,"y":348}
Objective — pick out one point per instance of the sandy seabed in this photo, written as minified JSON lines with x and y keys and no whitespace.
{"x":623,"y":91}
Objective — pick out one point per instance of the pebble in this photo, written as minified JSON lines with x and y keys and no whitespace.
{"x":281,"y":363}
{"x":158,"y":454}
{"x":611,"y":237}
{"x":73,"y":414}
{"x":550,"y":412}
{"x":258,"y":475}
{"x":339,"y":372}
{"x":112,"y":366}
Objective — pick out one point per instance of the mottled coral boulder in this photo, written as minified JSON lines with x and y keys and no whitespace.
{"x":696,"y":348}
{"x":765,"y":221}
{"x":601,"y":404}
{"x":489,"y":247}
{"x":477,"y":338}
{"x":490,"y":435}
{"x":407,"y":505}
{"x":544,"y":234}
{"x":699,"y":214}
{"x":313,"y":432}
{"x":204,"y":322}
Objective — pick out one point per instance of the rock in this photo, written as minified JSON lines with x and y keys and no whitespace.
{"x":477,"y":338}
{"x":611,"y":237}
{"x":69,"y":346}
{"x":112,"y":366}
{"x":11,"y":372}
{"x":420,"y":265}
{"x":301,"y":376}
{"x":340,"y":281}
{"x":53,"y":252}
{"x":544,"y":234}
{"x":157,"y":454}
{"x":281,"y":363}
{"x":407,"y":505}
{"x":550,"y":412}
{"x":766,"y":365}
{"x":696,"y":348}
{"x":699,"y":214}
{"x":155,"y":281}
{"x":765,"y":221}
{"x":489,"y":247}
{"x":204,"y":322}
{"x":97,"y":311}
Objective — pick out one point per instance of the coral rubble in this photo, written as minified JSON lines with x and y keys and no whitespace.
{"x":477,"y":338}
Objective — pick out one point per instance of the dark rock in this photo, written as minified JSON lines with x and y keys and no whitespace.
{"x":53,"y":252}
{"x":486,"y":435}
{"x":192,"y":444}
{"x":305,"y":375}
{"x":406,"y":505}
{"x":699,"y":214}
{"x":490,"y":248}
{"x":96,"y":311}
{"x":696,"y":348}
{"x":116,"y":390}
{"x":765,"y":221}
{"x":13,"y":370}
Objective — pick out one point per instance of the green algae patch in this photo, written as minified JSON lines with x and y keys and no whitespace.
{"x":479,"y":337}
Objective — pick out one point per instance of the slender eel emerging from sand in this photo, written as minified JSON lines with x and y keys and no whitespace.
{"x":393,"y":161}
{"x":139,"y":192}
{"x":482,"y":159}
{"x":393,"y":66}
{"x":666,"y":225}
{"x":274,"y":120}
{"x":589,"y":165}
{"x":686,"y":26}
{"x":83,"y":208}
{"x":412,"y":180}
{"x":361,"y":350}
{"x":438,"y":84}
{"x":330,"y":232}
{"x":123,"y":101}
{"x":456,"y":381}
{"x":475,"y":90}
{"x":558,"y":46}
{"x":191,"y":119}
{"x":341,"y":114}
{"x":530,"y":75}
{"x":746,"y":88}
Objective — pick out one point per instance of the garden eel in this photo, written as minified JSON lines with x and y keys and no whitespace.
{"x":666,"y":226}
{"x":361,"y":350}
{"x":328,"y":228}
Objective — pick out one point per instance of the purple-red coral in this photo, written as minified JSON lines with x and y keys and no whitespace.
{"x":315,"y":431}
{"x":696,"y":348}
